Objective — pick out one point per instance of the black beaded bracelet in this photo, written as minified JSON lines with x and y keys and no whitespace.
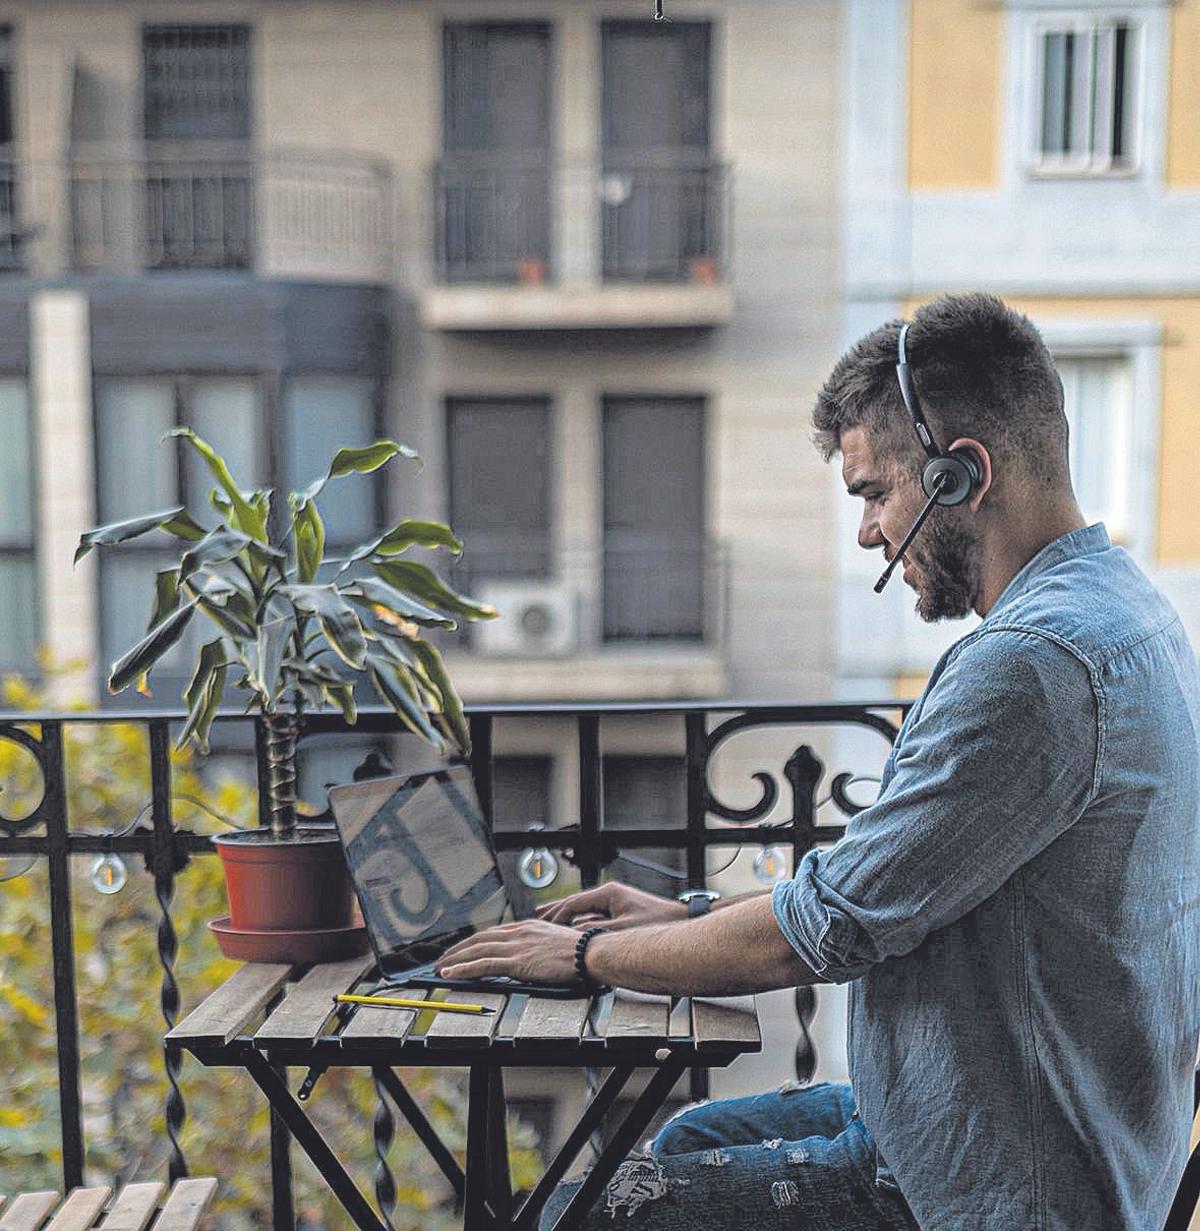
{"x":585,"y":939}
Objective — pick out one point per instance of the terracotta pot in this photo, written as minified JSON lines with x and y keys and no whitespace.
{"x":704,"y":270}
{"x":296,"y":883}
{"x":531,"y":271}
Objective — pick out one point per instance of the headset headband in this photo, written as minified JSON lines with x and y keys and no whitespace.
{"x":912,"y":404}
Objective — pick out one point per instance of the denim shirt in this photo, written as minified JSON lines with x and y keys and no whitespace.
{"x":1019,"y":911}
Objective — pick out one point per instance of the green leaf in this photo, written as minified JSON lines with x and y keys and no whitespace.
{"x":435,"y":667}
{"x":175,"y":520}
{"x":391,"y":684}
{"x":423,"y":584}
{"x":358,"y":461}
{"x":342,"y":695}
{"x":309,"y":530}
{"x":371,"y":592}
{"x":414,"y":533}
{"x":244,"y":516}
{"x":338,"y":620}
{"x":216,"y":547}
{"x":368,"y":458}
{"x":184,"y":526}
{"x":203,"y":694}
{"x":137,"y":661}
{"x":278,"y":624}
{"x":166,"y":595}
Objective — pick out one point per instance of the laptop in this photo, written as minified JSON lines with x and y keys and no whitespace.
{"x":425,"y":871}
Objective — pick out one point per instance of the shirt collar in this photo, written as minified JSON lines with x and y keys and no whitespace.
{"x":1084,"y":542}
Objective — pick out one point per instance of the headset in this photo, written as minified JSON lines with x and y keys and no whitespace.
{"x":947,"y":478}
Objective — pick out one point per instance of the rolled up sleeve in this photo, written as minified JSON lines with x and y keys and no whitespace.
{"x":1002,"y":757}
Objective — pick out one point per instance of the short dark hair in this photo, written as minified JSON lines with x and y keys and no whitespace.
{"x":980,"y":368}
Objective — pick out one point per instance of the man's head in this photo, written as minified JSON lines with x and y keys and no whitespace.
{"x":986,"y":383}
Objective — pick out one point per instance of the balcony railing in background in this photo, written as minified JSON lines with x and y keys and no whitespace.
{"x":633,"y":589}
{"x":228,"y":207}
{"x":658,"y":219}
{"x":12,"y":237}
{"x":44,"y":832}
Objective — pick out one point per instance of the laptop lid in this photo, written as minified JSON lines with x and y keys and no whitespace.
{"x":422,"y":861}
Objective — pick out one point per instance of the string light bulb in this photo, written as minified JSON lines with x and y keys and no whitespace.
{"x":538,"y":867}
{"x":109,"y":873}
{"x":771,"y":864}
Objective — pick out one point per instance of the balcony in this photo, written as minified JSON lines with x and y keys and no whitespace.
{"x":207,"y":206}
{"x":620,"y":245}
{"x":640,"y":617}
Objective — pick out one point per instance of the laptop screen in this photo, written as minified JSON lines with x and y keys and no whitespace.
{"x":422,"y":862}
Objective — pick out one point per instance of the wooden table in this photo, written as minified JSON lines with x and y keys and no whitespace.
{"x":298,"y":1025}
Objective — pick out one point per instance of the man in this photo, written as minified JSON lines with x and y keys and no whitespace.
{"x":1018,"y":912}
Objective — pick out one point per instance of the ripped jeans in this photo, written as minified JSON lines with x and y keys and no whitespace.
{"x":798,"y":1158}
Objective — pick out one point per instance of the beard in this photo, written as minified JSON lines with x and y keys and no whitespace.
{"x":948,"y":567}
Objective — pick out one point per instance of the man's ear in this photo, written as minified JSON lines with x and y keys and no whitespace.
{"x":983,"y":459}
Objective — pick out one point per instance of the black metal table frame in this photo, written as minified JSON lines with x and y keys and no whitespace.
{"x":484,"y":1187}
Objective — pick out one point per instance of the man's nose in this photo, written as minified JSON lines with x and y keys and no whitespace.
{"x":869,"y":534}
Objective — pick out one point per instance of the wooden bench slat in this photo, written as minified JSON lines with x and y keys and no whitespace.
{"x":721,"y":1020}
{"x":637,"y":1019}
{"x":232,"y":1005}
{"x":80,"y":1210}
{"x":466,"y":1029}
{"x":552,"y":1021}
{"x":134,"y":1207}
{"x":368,"y":1026}
{"x":187,"y":1202}
{"x":307,"y":1008}
{"x":28,"y":1211}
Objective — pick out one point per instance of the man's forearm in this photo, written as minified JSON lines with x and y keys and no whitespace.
{"x":735,"y":950}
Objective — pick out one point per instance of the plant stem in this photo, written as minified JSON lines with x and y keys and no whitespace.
{"x":282,"y":730}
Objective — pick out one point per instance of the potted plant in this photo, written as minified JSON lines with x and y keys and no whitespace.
{"x":289,"y":643}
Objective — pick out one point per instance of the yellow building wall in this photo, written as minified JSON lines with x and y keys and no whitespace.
{"x":954,"y":94}
{"x":1183,"y":97}
{"x":1179,"y":412}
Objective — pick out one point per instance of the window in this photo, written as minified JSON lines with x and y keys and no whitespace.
{"x":493,"y":183}
{"x":499,"y":452}
{"x":196,"y":96}
{"x":10,"y":238}
{"x":647,"y":792}
{"x":18,"y":590}
{"x":655,"y":549}
{"x":1099,"y":403}
{"x":1086,"y":104}
{"x":132,"y":415}
{"x":660,"y":194}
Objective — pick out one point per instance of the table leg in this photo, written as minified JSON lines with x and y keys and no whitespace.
{"x":410,"y":1109}
{"x":311,"y":1142}
{"x":593,"y":1115}
{"x":475,"y":1213}
{"x":283,"y":1214}
{"x":630,"y":1129}
{"x":499,"y":1176}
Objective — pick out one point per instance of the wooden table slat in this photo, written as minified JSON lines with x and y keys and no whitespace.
{"x":134,"y":1207}
{"x":186,"y":1203}
{"x":368,"y":1027}
{"x":80,"y":1210}
{"x":28,"y":1211}
{"x":721,"y":1020}
{"x":232,"y":1005}
{"x":305,"y":1010}
{"x":553,"y":1021}
{"x":637,"y":1019}
{"x":466,"y":1029}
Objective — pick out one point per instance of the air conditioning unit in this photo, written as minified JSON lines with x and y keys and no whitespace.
{"x":538,"y":619}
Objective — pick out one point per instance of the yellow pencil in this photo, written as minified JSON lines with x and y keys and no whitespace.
{"x":394,"y":1002}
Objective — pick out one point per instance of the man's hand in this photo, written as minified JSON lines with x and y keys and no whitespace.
{"x":532,"y":949}
{"x":614,"y":905}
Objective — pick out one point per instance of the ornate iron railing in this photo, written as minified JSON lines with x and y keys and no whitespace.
{"x":45,"y":833}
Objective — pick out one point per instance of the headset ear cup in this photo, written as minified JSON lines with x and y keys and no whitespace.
{"x":963,"y":469}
